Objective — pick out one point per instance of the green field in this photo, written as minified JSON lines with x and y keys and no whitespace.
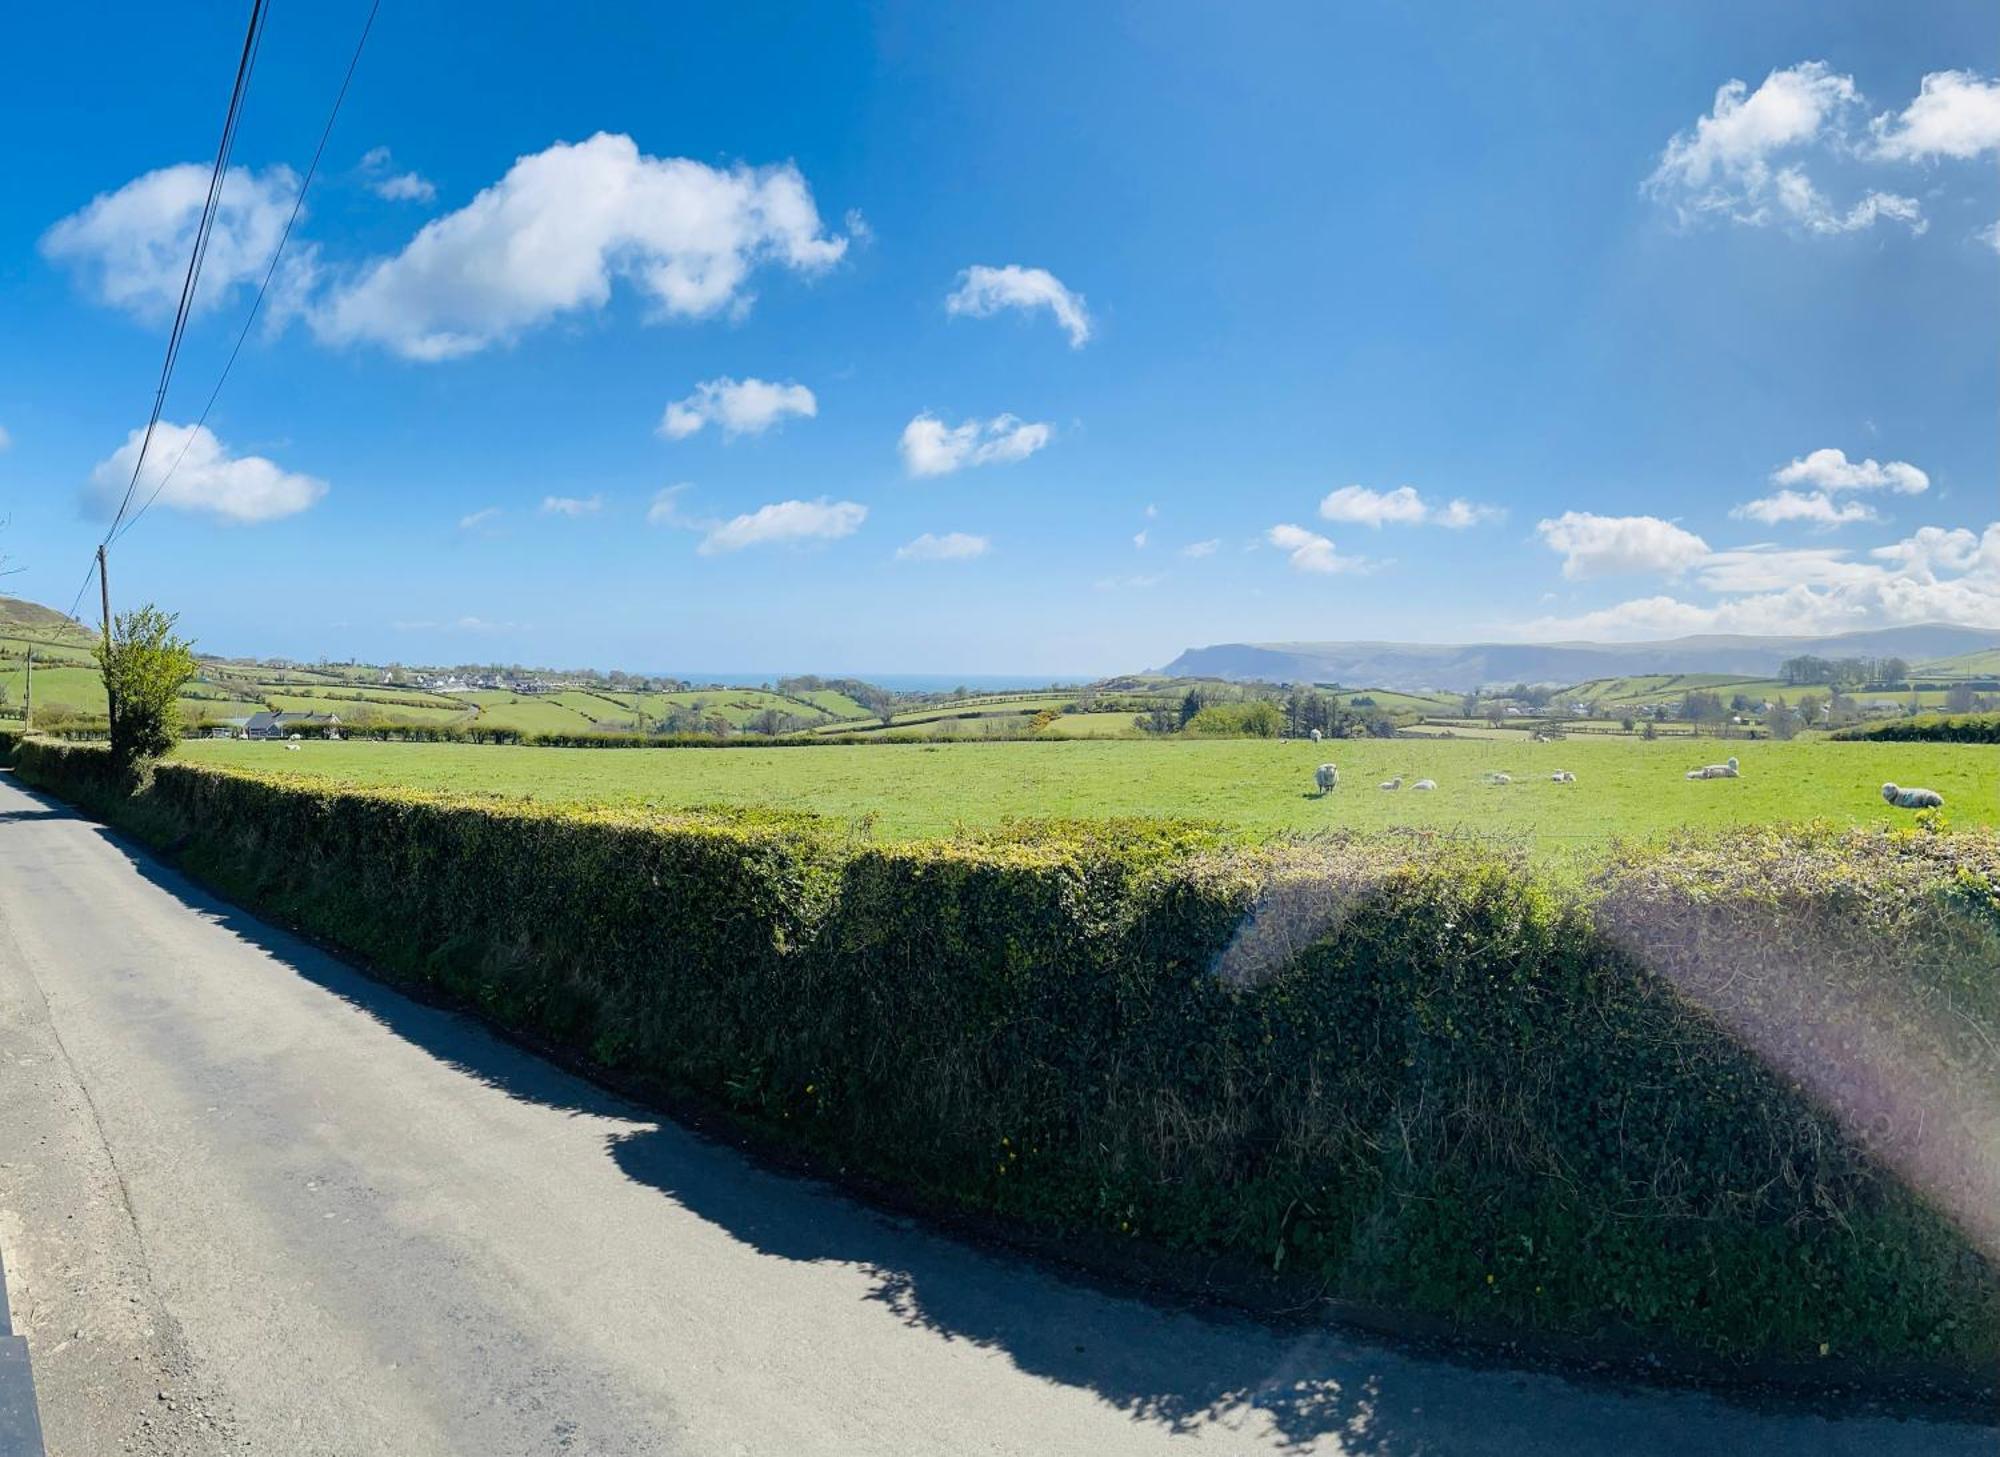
{"x":1092,"y":726}
{"x":1626,"y":787}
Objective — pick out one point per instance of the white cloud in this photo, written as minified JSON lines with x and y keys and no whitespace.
{"x":1934,"y":575}
{"x":130,"y":247}
{"x":1308,"y":551}
{"x":572,"y":505}
{"x":1990,"y":236}
{"x":740,"y":407}
{"x":1403,"y":506}
{"x":783,"y":521}
{"x":477,"y":519}
{"x":1139,"y":539}
{"x":666,"y":509}
{"x":551,"y":236}
{"x":983,"y":291}
{"x":1831,"y":470}
{"x":1602,"y":546}
{"x":1956,"y":114}
{"x":395,"y":186}
{"x":201,"y":476}
{"x":1202,"y":548}
{"x":1729,"y":164}
{"x":1137,"y":583}
{"x":1931,"y":550}
{"x":406,"y":187}
{"x":932,"y":448}
{"x":1815,"y":507}
{"x":1765,"y":568}
{"x":953,"y":546}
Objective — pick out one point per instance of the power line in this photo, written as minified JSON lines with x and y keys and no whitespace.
{"x":203,"y":230}
{"x":298,"y":204}
{"x":245,"y":62}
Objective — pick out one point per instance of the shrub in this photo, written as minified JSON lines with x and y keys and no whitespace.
{"x":1672,"y":1101}
{"x":144,"y":667}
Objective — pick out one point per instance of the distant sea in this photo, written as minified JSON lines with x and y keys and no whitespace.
{"x":905,"y":682}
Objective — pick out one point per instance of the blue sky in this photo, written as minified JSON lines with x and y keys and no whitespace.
{"x":1036,"y":338}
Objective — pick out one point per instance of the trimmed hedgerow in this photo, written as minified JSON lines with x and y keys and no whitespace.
{"x":1936,"y":728}
{"x":1735,"y":1093}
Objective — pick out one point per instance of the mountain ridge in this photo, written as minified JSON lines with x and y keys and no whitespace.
{"x":1464,"y":666}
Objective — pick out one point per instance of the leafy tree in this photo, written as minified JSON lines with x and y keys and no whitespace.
{"x":1190,"y":706}
{"x":144,"y":666}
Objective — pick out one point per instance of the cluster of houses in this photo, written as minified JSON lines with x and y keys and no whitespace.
{"x":473,"y":682}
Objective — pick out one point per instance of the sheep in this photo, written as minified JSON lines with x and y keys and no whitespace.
{"x":1315,"y":735}
{"x":1724,"y":770}
{"x":1425,"y":784}
{"x":1396,"y":783}
{"x":291,"y":748}
{"x":1912,"y":798}
{"x":1327,"y":777}
{"x":1562,"y":776}
{"x":1496,"y":777}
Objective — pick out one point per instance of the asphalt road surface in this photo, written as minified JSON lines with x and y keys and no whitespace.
{"x":251,"y":1201}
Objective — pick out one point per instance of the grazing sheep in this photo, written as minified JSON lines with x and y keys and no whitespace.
{"x":1327,"y":777}
{"x":1562,"y":776}
{"x":1396,"y":783}
{"x":1912,"y":798}
{"x":1496,"y":777}
{"x":1724,"y":770}
{"x":1425,"y":784}
{"x":1315,"y":735}
{"x":291,"y":748}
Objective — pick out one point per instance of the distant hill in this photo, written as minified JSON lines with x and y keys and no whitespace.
{"x":18,"y":615}
{"x":1463,"y":666}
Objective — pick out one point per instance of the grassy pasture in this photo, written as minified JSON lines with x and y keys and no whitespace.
{"x":1092,"y":726}
{"x":531,"y":713}
{"x":831,"y":701}
{"x":1627,"y":787}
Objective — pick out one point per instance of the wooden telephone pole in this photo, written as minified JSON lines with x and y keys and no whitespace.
{"x":28,"y":695}
{"x":104,"y":597}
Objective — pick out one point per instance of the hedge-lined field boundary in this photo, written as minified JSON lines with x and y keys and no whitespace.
{"x":1934,"y":728}
{"x":1410,"y":1073}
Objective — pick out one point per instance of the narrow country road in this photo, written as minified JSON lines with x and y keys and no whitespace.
{"x":251,"y":1201}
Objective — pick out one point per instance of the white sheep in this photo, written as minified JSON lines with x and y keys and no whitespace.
{"x":1562,"y":776}
{"x":1396,"y":783}
{"x":291,"y":748}
{"x":1425,"y":784}
{"x":1912,"y":798}
{"x":1315,"y":735}
{"x":1327,"y":777}
{"x":1724,"y":770}
{"x":1496,"y":777}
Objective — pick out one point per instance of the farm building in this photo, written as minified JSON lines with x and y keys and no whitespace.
{"x":269,"y":725}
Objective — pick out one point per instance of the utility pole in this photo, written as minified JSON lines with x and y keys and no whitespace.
{"x":28,"y":695}
{"x":104,"y":596}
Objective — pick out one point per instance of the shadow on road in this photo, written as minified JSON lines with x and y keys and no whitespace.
{"x":1174,"y":1368}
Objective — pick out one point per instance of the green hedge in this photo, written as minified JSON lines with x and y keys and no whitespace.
{"x":1971,"y":728}
{"x":1408,"y":1072}
{"x":478,"y":733}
